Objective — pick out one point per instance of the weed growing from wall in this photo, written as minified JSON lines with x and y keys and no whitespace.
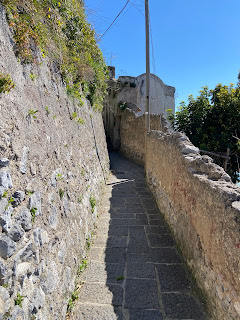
{"x":83,"y":265}
{"x":5,"y":193}
{"x":33,"y":76}
{"x":19,"y":300}
{"x":61,"y":193}
{"x":47,"y":111}
{"x":80,"y":121}
{"x":61,"y":32}
{"x":6,"y":83}
{"x":59,"y":177}
{"x":71,"y":301}
{"x":74,"y":115}
{"x":33,"y":213}
{"x":93,"y":202}
{"x":32,"y":113}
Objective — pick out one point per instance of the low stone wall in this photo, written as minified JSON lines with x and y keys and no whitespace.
{"x":202,"y":207}
{"x":53,"y":164}
{"x":132,"y":134}
{"x":200,"y":204}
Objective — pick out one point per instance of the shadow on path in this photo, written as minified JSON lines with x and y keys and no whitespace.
{"x":135,"y":271}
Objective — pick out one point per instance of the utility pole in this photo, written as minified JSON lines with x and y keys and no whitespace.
{"x":147,"y":105}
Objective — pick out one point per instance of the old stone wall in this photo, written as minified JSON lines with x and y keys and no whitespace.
{"x":201,"y":206}
{"x":132,"y":134}
{"x":129,"y":92}
{"x":53,"y":164}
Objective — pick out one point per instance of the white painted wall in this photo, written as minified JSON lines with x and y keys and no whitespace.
{"x":161,"y":95}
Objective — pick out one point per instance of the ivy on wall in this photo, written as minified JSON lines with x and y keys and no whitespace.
{"x":61,"y":31}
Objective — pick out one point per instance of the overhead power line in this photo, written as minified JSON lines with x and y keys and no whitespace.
{"x":135,"y":6}
{"x":114,"y":19}
{"x":93,"y":13}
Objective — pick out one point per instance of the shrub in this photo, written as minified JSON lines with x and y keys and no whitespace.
{"x":61,"y":31}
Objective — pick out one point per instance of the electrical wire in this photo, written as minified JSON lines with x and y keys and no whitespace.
{"x":114,"y":20}
{"x":135,"y":6}
{"x":93,"y":13}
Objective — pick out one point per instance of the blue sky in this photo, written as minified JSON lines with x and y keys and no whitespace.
{"x":196,"y":43}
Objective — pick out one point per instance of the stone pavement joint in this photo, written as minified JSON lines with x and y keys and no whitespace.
{"x":135,"y":271}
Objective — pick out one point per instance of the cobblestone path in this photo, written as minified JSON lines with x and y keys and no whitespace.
{"x":135,"y":271}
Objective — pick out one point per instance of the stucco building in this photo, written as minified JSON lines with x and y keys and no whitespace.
{"x":130,"y":92}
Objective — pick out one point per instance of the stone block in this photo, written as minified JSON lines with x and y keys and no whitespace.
{"x":18,"y":314}
{"x":4,"y":162}
{"x":137,"y":314}
{"x":24,"y":218}
{"x":25,"y":254}
{"x":100,"y":272}
{"x":5,"y":179}
{"x":68,"y":282}
{"x":181,"y":306}
{"x":2,"y":190}
{"x":49,"y":279}
{"x":100,"y":294}
{"x":115,"y":255}
{"x":136,"y":257}
{"x":120,"y":215}
{"x":116,"y":230}
{"x":23,"y":163}
{"x":4,"y":301}
{"x":159,"y":230}
{"x":5,"y":218}
{"x":189,"y":148}
{"x":3,"y":205}
{"x":35,"y":201}
{"x":40,"y":236}
{"x":3,"y":272}
{"x":135,"y":209}
{"x":7,"y":246}
{"x":97,"y":254}
{"x":16,"y":233}
{"x":140,"y":270}
{"x":18,"y":197}
{"x":141,"y":219}
{"x":90,"y":312}
{"x":156,"y":220}
{"x":173,"y":278}
{"x":116,"y":242}
{"x":53,"y":218}
{"x":33,"y":169}
{"x":164,"y":255}
{"x":138,"y":241}
{"x":37,"y":300}
{"x":163,"y":240}
{"x":141,"y":294}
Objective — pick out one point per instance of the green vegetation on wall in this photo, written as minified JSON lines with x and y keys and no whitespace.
{"x":6,"y":83}
{"x":61,"y":32}
{"x":211,"y":121}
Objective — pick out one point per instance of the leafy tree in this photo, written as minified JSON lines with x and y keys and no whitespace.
{"x":212,"y":122}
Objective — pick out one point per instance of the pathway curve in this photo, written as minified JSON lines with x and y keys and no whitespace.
{"x":135,"y":271}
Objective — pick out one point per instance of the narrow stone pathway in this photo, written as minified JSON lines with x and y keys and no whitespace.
{"x":135,"y":271}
